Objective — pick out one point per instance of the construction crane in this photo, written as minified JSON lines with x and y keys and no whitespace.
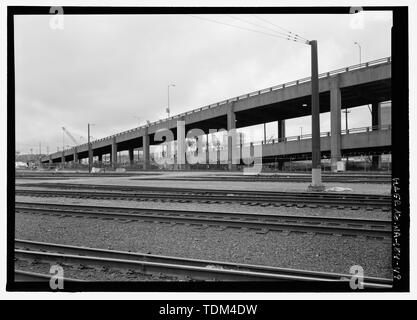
{"x":70,"y":136}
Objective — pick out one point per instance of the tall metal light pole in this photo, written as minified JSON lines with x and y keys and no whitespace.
{"x":316,"y":184}
{"x":360,"y":52}
{"x":168,"y":110}
{"x":360,"y":62}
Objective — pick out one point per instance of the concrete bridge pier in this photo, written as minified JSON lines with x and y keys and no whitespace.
{"x":131,"y":156}
{"x":90,"y":157}
{"x":100,"y":158}
{"x":376,"y":122}
{"x":63,"y":159}
{"x":145,"y":138}
{"x":281,"y":130}
{"x":231,"y":124}
{"x":335,"y":124}
{"x":181,"y":158}
{"x":114,"y":153}
{"x":207,"y":152}
{"x":281,"y":165}
{"x":75,"y":156}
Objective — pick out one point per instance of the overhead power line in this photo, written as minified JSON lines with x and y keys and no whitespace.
{"x":247,"y":29}
{"x":273,"y":24}
{"x":288,"y":34}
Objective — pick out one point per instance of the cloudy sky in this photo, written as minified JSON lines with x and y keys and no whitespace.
{"x":113,"y":71}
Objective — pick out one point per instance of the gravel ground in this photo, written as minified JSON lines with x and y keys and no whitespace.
{"x":224,"y":185}
{"x":91,"y":274}
{"x":226,"y":207}
{"x":291,"y":250}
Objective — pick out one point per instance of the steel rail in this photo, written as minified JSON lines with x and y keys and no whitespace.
{"x":282,"y":178}
{"x":223,"y":196}
{"x":26,"y":276}
{"x":189,"y":268}
{"x":199,"y":191}
{"x":329,"y":225}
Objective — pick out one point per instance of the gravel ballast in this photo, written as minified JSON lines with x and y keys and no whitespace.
{"x":367,"y":188}
{"x":224,"y":207}
{"x":280,"y":249}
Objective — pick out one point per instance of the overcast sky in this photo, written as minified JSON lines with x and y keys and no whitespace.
{"x":110,"y":70}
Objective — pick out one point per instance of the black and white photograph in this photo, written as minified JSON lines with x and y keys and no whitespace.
{"x":207,"y":149}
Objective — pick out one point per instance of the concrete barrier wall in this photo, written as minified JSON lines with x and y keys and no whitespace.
{"x":372,"y":139}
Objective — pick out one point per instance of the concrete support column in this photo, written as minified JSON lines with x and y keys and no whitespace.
{"x":281,"y":130}
{"x":376,"y":114}
{"x":100,"y":158}
{"x":131,"y":156}
{"x":75,"y":156}
{"x":376,"y":162}
{"x":335,"y":124}
{"x":280,"y":165}
{"x":181,"y":159}
{"x":114,"y":153}
{"x":90,"y":157}
{"x":231,"y":124}
{"x":207,"y":151}
{"x":63,"y":158}
{"x":145,"y":139}
{"x":376,"y":122}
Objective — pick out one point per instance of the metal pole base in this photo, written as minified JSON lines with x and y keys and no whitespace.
{"x":316,"y":184}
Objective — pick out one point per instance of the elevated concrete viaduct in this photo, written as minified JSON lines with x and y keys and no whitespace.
{"x":368,"y":83}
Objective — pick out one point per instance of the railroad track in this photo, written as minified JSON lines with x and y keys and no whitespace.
{"x":263,"y":198}
{"x":262,"y":223}
{"x":20,"y":175}
{"x":25,"y":276}
{"x":278,"y":178}
{"x":297,"y":177}
{"x":182,"y":268}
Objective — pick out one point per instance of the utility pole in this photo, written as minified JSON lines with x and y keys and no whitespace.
{"x":316,"y":184}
